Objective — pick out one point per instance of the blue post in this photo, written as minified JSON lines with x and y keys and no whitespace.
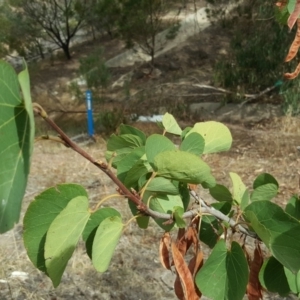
{"x":88,"y":95}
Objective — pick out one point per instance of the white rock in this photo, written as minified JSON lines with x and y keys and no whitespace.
{"x":19,"y":275}
{"x":154,"y":118}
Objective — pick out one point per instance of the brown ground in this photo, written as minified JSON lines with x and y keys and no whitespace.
{"x":135,"y":272}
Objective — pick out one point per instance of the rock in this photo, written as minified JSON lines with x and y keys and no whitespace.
{"x":223,"y":51}
{"x":205,"y":107}
{"x":121,"y":81}
{"x":19,"y":275}
{"x":156,"y":73}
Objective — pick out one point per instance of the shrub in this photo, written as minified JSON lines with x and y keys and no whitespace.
{"x":258,"y":46}
{"x":94,"y":70}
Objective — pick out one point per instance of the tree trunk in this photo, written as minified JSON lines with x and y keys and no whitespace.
{"x":40,"y":49}
{"x":152,"y":53}
{"x":66,"y":49}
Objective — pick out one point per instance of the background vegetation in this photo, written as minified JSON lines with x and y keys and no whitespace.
{"x":258,"y":42}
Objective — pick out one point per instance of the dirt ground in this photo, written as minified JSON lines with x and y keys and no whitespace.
{"x":135,"y":271}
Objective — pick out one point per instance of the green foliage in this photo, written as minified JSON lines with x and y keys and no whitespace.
{"x":127,"y":129}
{"x":282,"y":15}
{"x":105,"y":242}
{"x":273,"y":278}
{"x":142,"y":221}
{"x":225,"y":273}
{"x":265,"y":187}
{"x":58,"y":21}
{"x":156,"y":144}
{"x":216,"y":135}
{"x":162,"y":185}
{"x":93,"y":223}
{"x":291,"y":6}
{"x":170,"y":124}
{"x":264,"y":178}
{"x":293,"y":207}
{"x":184,"y":167}
{"x":278,"y":279}
{"x":173,"y":31}
{"x":141,"y":20}
{"x":124,"y":141}
{"x":18,"y":34}
{"x":239,"y":188}
{"x":290,"y":92}
{"x":128,"y":161}
{"x":36,"y":223}
{"x":109,"y":120}
{"x":24,"y":82}
{"x":137,"y":15}
{"x":103,"y":16}
{"x":194,"y":143}
{"x":223,"y":206}
{"x":164,"y":204}
{"x":94,"y":70}
{"x":264,"y":192}
{"x":178,"y":214}
{"x":16,"y":142}
{"x":293,"y":281}
{"x":278,"y":230}
{"x":210,"y":231}
{"x":75,"y":90}
{"x":63,"y":235}
{"x":221,"y":193}
{"x":257,"y":49}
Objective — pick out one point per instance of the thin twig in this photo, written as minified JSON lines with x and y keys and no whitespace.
{"x":204,"y":210}
{"x":216,"y":213}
